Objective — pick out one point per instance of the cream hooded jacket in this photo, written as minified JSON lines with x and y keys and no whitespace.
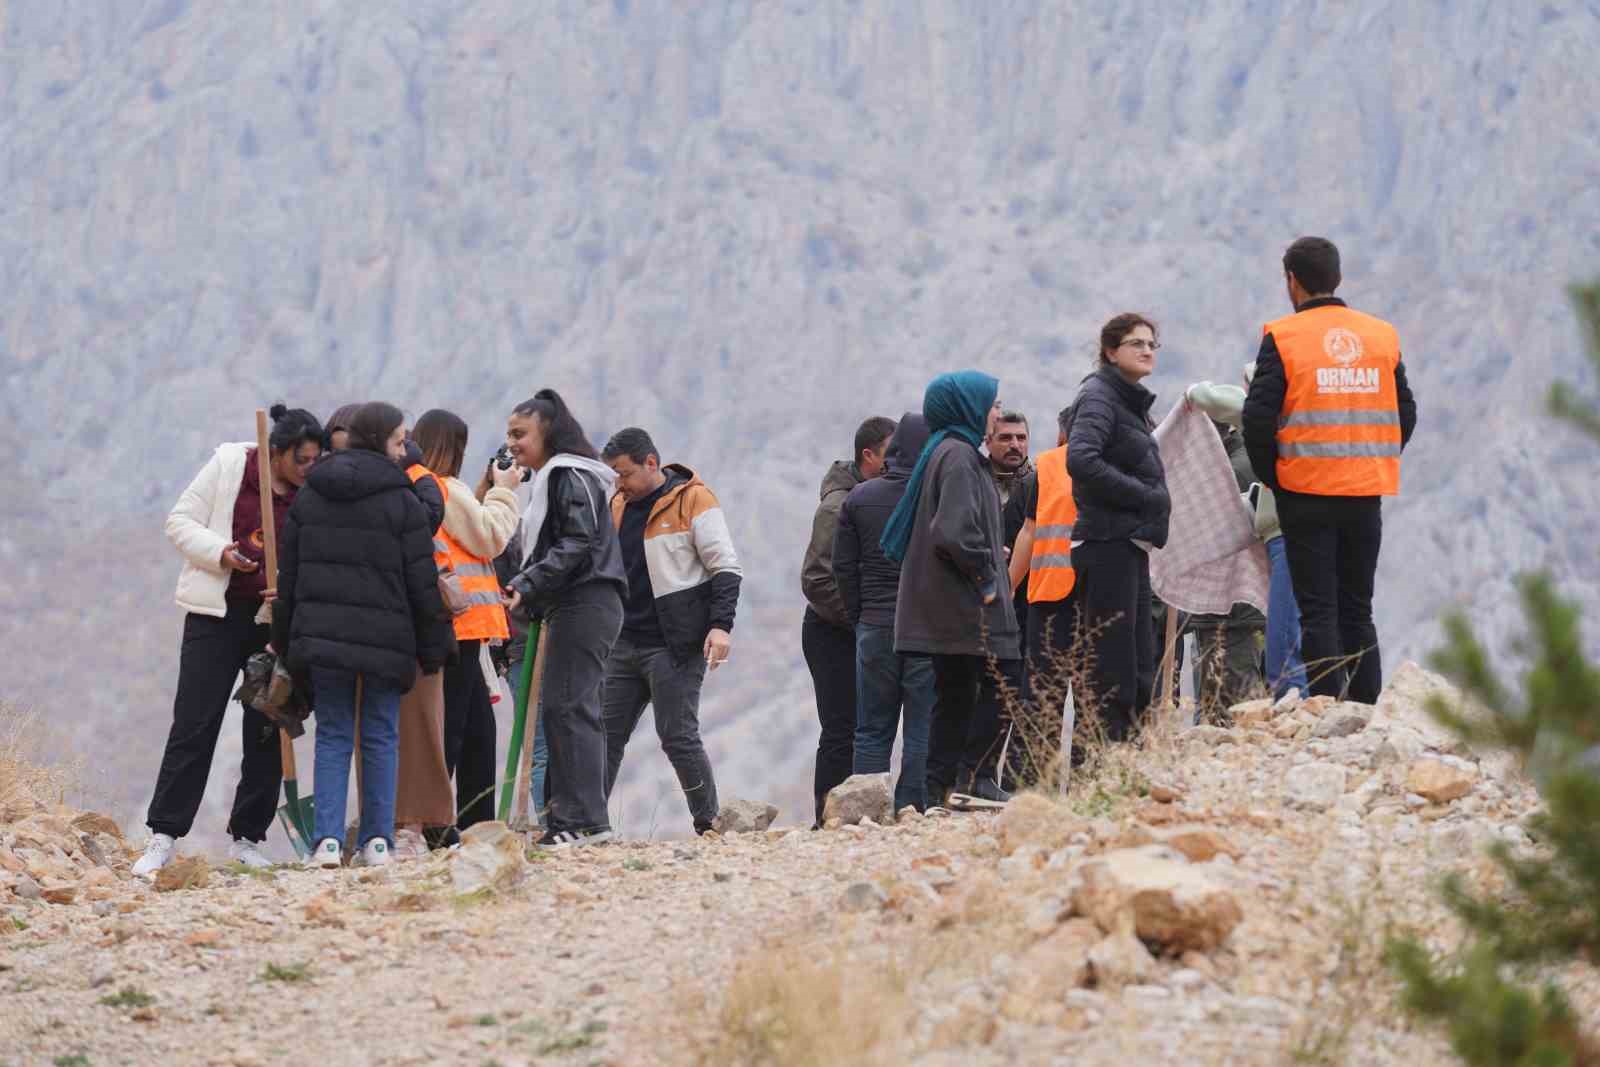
{"x":200,"y":526}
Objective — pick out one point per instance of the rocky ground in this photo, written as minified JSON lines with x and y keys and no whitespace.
{"x":1219,"y":896}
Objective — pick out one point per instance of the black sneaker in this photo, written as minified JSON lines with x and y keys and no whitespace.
{"x":988,"y":789}
{"x":573,"y":838}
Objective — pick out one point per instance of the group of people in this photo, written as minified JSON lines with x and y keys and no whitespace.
{"x":957,"y":589}
{"x":950,"y":581}
{"x":399,"y":597}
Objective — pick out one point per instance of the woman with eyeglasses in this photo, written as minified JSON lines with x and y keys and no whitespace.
{"x":1120,"y":490}
{"x":216,"y":527}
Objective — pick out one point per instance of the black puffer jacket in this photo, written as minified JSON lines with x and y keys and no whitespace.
{"x":357,"y":586}
{"x":868,"y":580}
{"x":576,"y":544}
{"x":1118,"y":482}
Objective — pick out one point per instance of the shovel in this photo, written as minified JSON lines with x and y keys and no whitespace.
{"x":519,"y":720}
{"x":519,"y":819}
{"x":295,"y":815}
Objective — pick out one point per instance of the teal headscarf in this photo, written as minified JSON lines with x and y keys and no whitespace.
{"x":955,"y":405}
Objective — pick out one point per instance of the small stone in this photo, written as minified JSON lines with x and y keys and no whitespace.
{"x":1165,"y":794}
{"x":1187,"y":978}
{"x":103,"y":908}
{"x":1314,"y":786}
{"x":1172,"y":904}
{"x":1252,"y":712}
{"x":722,"y":876}
{"x":1033,"y":819}
{"x":1287,"y":702}
{"x":860,"y":796}
{"x":1121,"y":958}
{"x":743,"y":817}
{"x":1440,"y":781}
{"x":492,"y":857}
{"x":190,"y":872}
{"x":909,"y":813}
{"x":1208,"y":734}
{"x":203,"y":938}
{"x":863,"y":896}
{"x":60,"y":893}
{"x":1342,"y":720}
{"x":1413,"y":801}
{"x":27,"y":888}
{"x":832,"y":824}
{"x":594,"y":989}
{"x":102,"y":977}
{"x":868,"y":824}
{"x":92,"y":822}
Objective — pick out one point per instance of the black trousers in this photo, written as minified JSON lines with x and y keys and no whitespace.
{"x":1113,"y":588}
{"x":1050,"y":665}
{"x":830,"y":653}
{"x":583,"y":626}
{"x":214,"y":651}
{"x":469,"y":737}
{"x":999,"y":690}
{"x":1332,"y":544}
{"x":956,"y":682}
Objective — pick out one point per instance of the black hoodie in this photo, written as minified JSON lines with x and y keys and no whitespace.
{"x":869,"y":581}
{"x":357,"y":586}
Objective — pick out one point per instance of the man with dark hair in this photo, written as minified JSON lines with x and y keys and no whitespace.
{"x":826,"y":636}
{"x":1006,"y":445}
{"x":890,"y":685}
{"x":683,"y":590}
{"x":1328,"y":413}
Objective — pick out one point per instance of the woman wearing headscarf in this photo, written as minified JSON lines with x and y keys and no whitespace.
{"x":216,"y":526}
{"x":953,"y":603}
{"x":1120,"y":490}
{"x":572,"y":577}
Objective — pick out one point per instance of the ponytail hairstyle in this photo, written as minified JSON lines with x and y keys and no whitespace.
{"x":562,"y":431}
{"x":1113,"y":333}
{"x":372,"y":424}
{"x":442,"y":436}
{"x":291,"y":428}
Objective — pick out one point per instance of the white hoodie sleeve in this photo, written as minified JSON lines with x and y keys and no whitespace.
{"x":482,"y":529}
{"x":188,"y":524}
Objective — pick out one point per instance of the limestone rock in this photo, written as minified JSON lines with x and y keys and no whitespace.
{"x":1034,"y":819}
{"x":743,"y":817}
{"x":1314,"y":786}
{"x":1252,"y":712}
{"x":1342,"y":720}
{"x":1173,"y":904}
{"x":1405,"y":700}
{"x":1120,"y":958}
{"x":92,"y":822}
{"x":59,"y":892}
{"x":491,"y":857}
{"x":1288,"y":702}
{"x":860,"y":796}
{"x":1048,"y":970}
{"x":27,"y":888}
{"x":1198,"y":844}
{"x":1439,"y":780}
{"x":190,"y":872}
{"x":1209,"y":735}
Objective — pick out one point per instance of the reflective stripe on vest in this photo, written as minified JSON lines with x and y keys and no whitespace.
{"x":485,"y":618}
{"x":1050,"y":573}
{"x":1339,"y":431}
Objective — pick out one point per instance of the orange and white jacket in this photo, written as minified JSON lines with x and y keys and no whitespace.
{"x":694,"y":570}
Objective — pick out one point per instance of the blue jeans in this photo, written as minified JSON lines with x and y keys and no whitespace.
{"x":536,"y":775}
{"x":887,"y":685}
{"x":380,"y":753}
{"x":1285,"y":668}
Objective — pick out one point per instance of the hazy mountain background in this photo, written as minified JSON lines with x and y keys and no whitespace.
{"x":747,"y":225}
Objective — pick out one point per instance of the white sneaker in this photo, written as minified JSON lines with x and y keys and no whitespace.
{"x":409,"y":845}
{"x":248,"y":853}
{"x":157,"y":854}
{"x":326,"y":854}
{"x":374,"y":853}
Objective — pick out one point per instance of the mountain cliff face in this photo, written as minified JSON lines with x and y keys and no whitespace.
{"x":746,"y":226}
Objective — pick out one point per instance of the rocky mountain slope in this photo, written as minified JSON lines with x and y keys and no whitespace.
{"x":746,"y":226}
{"x":1219,"y":896}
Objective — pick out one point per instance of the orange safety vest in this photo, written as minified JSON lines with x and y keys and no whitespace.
{"x":1339,"y":432}
{"x":1050,"y":573}
{"x":486,"y":618}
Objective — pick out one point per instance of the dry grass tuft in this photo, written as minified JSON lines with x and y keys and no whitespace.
{"x":804,"y":1006}
{"x":31,"y":773}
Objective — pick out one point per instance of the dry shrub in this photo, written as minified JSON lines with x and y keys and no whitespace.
{"x":805,"y":1006}
{"x":31,"y":773}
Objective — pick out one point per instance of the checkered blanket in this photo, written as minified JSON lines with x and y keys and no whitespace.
{"x":1213,"y":558}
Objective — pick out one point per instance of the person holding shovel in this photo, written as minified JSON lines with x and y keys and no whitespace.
{"x":216,"y":526}
{"x":359,"y":611}
{"x":572,"y":577}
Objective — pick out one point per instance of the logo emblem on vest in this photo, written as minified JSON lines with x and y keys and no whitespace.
{"x":1342,"y":346}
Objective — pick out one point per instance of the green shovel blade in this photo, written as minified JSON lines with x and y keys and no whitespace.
{"x":298,"y":818}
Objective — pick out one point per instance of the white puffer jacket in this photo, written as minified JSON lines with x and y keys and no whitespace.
{"x":200,"y":526}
